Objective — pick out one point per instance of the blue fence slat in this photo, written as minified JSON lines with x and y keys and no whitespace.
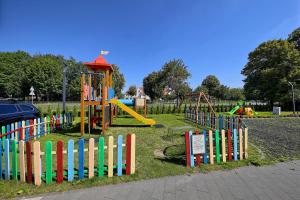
{"x":12,"y":128}
{"x":234,"y":144}
{"x":27,"y":130}
{"x":20,"y":130}
{"x":192,"y":155}
{"x":205,"y":143}
{"x":120,"y":141}
{"x":6,"y":157}
{"x":81,"y":158}
{"x":8,"y":130}
{"x":70,"y":160}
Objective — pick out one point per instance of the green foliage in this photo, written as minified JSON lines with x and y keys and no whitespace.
{"x":294,"y":38}
{"x":212,"y":84}
{"x":270,"y":66}
{"x":118,"y":81}
{"x":131,"y":90}
{"x":75,"y":111}
{"x":170,"y":80}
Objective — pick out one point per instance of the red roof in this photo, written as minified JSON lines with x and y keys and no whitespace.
{"x":99,"y":64}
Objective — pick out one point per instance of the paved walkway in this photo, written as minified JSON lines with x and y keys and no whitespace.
{"x":280,"y":181}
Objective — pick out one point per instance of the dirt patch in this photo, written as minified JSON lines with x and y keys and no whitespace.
{"x":276,"y":137}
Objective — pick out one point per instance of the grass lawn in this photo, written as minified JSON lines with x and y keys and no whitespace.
{"x":160,"y":152}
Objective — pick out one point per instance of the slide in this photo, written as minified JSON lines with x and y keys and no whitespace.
{"x":132,"y":112}
{"x":234,"y":110}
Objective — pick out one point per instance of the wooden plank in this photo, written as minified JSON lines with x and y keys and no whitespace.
{"x":91,"y":157}
{"x":14,"y":160}
{"x":29,"y":162}
{"x":8,"y":130}
{"x":45,"y":125}
{"x":191,"y":151}
{"x":70,"y":160}
{"x":20,"y":131}
{"x":246,"y":143}
{"x":22,"y":161}
{"x":16,"y":132}
{"x":34,"y":129}
{"x":110,"y":157}
{"x":223,"y":146}
{"x":120,"y":158}
{"x":241,"y":154}
{"x":101,"y":157}
{"x":234,"y":144}
{"x":3,"y":132}
{"x":128,"y":153}
{"x":6,"y":158}
{"x":27,"y":138}
{"x":187,"y":149}
{"x":31,"y":129}
{"x":39,"y":127}
{"x":22,"y":134}
{"x":37,"y":163}
{"x":217,"y":142}
{"x":60,"y":161}
{"x":132,"y":157}
{"x":229,"y":145}
{"x":205,"y":143}
{"x":12,"y":128}
{"x":211,"y":148}
{"x":81,"y":158}
{"x":48,"y":157}
{"x":198,"y":158}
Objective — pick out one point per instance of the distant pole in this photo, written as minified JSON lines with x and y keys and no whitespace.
{"x":293,"y":93}
{"x":64,"y":86}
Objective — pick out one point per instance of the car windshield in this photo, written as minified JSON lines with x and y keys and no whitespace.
{"x":7,"y":109}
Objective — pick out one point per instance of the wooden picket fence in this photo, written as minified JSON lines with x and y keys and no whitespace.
{"x":219,"y":146}
{"x":213,"y":121}
{"x":24,"y":162}
{"x":35,"y":128}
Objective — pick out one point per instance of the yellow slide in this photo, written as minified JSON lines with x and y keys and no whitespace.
{"x":132,"y":112}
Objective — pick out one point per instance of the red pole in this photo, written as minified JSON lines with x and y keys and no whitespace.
{"x":128,"y":154}
{"x":187,"y":149}
{"x":229,"y":144}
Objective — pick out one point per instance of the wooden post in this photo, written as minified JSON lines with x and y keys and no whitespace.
{"x":22,"y":161}
{"x":29,"y":162}
{"x":48,"y":157}
{"x":211,"y":148}
{"x":82,"y":114}
{"x":91,"y":157}
{"x":128,"y":154}
{"x":229,"y":145}
{"x":110,"y":158}
{"x":187,"y":149}
{"x":60,"y":162}
{"x":223,"y":146}
{"x":241,"y":144}
{"x":246,"y":143}
{"x":132,"y":160}
{"x":37,"y":163}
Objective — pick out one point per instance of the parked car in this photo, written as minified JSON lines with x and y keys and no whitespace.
{"x":14,"y":111}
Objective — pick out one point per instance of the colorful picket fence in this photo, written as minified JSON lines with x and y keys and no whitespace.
{"x":219,"y":146}
{"x":25,"y":161}
{"x":35,"y":128}
{"x":213,"y":121}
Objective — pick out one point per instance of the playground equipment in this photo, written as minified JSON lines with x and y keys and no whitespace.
{"x":198,"y":96}
{"x":98,"y":95}
{"x":241,"y":109}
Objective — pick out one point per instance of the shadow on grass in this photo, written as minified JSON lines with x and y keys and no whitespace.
{"x":129,"y":125}
{"x":174,"y":154}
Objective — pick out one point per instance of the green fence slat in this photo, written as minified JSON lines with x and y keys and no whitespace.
{"x":217,"y":140}
{"x":48,"y":124}
{"x":101,"y":157}
{"x":14,"y":160}
{"x":48,"y":155}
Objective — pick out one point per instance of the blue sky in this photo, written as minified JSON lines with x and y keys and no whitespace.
{"x":212,"y":37}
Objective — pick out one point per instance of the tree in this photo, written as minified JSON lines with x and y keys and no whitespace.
{"x":118,"y":81}
{"x":153,"y":86}
{"x":294,"y":38}
{"x":236,"y":94}
{"x":212,"y":84}
{"x":132,"y":90}
{"x":270,"y":66}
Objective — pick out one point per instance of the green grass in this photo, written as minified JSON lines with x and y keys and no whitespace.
{"x":159,"y":153}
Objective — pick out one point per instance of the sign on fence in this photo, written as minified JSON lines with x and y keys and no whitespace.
{"x":198,"y":144}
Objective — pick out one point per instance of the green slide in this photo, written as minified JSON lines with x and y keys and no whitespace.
{"x":233,"y":110}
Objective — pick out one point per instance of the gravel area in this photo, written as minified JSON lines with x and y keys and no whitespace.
{"x":277,"y":137}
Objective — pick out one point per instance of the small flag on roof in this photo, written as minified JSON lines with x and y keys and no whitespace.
{"x":103,"y":52}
